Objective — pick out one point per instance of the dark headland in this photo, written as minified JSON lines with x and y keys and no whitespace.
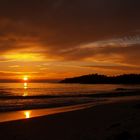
{"x":103,"y":79}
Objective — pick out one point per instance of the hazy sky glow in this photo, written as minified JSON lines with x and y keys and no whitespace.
{"x":63,"y":38}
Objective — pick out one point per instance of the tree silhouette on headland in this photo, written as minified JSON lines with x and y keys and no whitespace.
{"x":103,"y":79}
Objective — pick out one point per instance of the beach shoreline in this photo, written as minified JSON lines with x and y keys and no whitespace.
{"x":111,"y":121}
{"x":7,"y":116}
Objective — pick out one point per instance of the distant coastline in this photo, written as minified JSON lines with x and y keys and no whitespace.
{"x":103,"y":79}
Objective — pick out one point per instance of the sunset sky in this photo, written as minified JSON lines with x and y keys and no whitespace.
{"x":53,"y":39}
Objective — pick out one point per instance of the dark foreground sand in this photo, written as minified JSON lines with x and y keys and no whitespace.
{"x":114,"y":121}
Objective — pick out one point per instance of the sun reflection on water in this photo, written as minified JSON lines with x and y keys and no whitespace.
{"x":25,"y":85}
{"x":25,"y":89}
{"x":25,"y":93}
{"x":27,"y":114}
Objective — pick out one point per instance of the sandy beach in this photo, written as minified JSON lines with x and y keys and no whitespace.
{"x":112,"y":121}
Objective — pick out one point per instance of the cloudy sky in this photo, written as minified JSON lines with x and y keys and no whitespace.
{"x":53,"y":39}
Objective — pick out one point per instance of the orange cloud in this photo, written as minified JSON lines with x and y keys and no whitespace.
{"x":68,"y":35}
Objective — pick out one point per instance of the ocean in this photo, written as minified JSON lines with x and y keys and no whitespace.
{"x":22,"y":96}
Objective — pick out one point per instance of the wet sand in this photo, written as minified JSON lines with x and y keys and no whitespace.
{"x":112,"y":121}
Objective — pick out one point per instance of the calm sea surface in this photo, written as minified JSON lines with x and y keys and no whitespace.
{"x":18,"y":96}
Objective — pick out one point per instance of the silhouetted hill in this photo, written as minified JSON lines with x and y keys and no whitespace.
{"x":103,"y":79}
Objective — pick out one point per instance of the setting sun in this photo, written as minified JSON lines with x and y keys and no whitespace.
{"x":25,"y":78}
